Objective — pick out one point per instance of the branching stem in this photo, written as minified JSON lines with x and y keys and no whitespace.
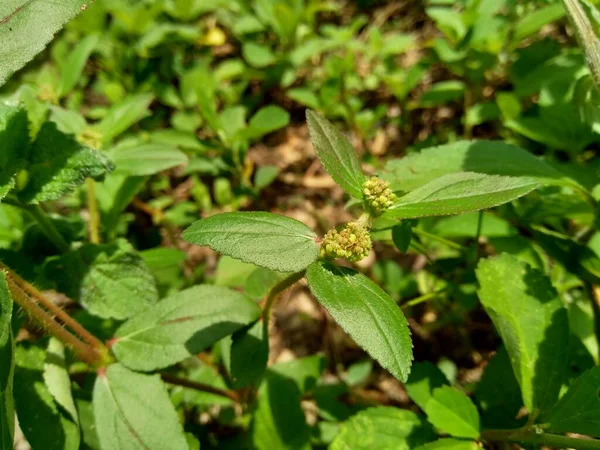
{"x":278,"y":289}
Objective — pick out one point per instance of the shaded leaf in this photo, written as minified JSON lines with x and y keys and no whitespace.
{"x":336,"y":154}
{"x":248,"y":354}
{"x":123,"y":115}
{"x":532,"y":322}
{"x":133,"y":411}
{"x":14,"y":139}
{"x":449,"y":444}
{"x":264,"y":239}
{"x":460,"y":193}
{"x":452,"y":411}
{"x":57,"y":378}
{"x":424,"y":378}
{"x":181,"y":326}
{"x":7,"y":366}
{"x":147,"y":159}
{"x":366,"y":312}
{"x":75,"y":63}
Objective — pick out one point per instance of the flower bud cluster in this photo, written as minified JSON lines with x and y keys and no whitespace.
{"x":378,"y":196}
{"x":352,"y":242}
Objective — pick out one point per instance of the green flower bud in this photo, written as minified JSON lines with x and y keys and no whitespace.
{"x":353,"y":242}
{"x":378,"y":196}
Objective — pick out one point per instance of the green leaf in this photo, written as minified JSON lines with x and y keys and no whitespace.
{"x":305,"y":372}
{"x":57,"y":378}
{"x":382,"y":428}
{"x":258,"y":55}
{"x":449,"y":444}
{"x":134,"y":412}
{"x":7,"y":366}
{"x":578,"y":411}
{"x":27,"y":26}
{"x":336,"y":154}
{"x":75,"y":63}
{"x":460,"y":193}
{"x":366,"y":313}
{"x":266,"y":120}
{"x":58,"y":164}
{"x":424,"y":378}
{"x":535,"y":20}
{"x":532,"y":322}
{"x":453,"y":412}
{"x":14,"y":140}
{"x":43,"y":422}
{"x":278,"y":422}
{"x":264,"y":239}
{"x":123,"y":115}
{"x":401,"y":235}
{"x":181,"y":326}
{"x":110,"y":280}
{"x":248,"y":354}
{"x":147,"y":159}
{"x":486,"y":157}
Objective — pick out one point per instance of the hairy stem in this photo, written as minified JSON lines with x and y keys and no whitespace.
{"x":171,"y":379}
{"x":547,"y":439}
{"x":58,"y":312}
{"x":47,"y":226}
{"x":278,"y":289}
{"x":92,"y":204}
{"x":84,"y":352}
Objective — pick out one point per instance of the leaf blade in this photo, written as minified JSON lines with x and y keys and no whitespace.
{"x":453,"y":412}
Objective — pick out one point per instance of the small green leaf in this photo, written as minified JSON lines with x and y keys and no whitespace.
{"x":248,"y":354}
{"x":266,"y":120}
{"x":366,"y":313}
{"x":147,"y":159}
{"x":123,"y":115}
{"x":305,"y":372}
{"x":27,"y":26}
{"x":181,"y":326}
{"x":336,"y":154}
{"x":258,"y":55}
{"x":452,"y":411}
{"x":57,"y":378}
{"x":424,"y":378}
{"x":58,"y":164}
{"x":382,"y":428}
{"x":449,"y":444}
{"x":401,"y":235}
{"x":532,"y":322}
{"x":43,"y":422}
{"x":460,"y":193}
{"x":14,"y":140}
{"x":578,"y":411}
{"x":7,"y":367}
{"x":485,"y":157}
{"x":268,"y":240}
{"x":110,"y":280}
{"x":278,"y":422}
{"x":134,"y":412}
{"x":75,"y":63}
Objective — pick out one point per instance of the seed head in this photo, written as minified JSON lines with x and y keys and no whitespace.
{"x":378,"y":196}
{"x":352,"y":242}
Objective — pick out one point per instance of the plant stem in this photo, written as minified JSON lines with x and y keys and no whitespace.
{"x":48,"y":227}
{"x":421,"y":299}
{"x":171,"y":379}
{"x":58,"y":312}
{"x":85,"y":353}
{"x":92,"y":204}
{"x":439,"y":239}
{"x":532,"y":437}
{"x":278,"y":289}
{"x":475,"y":251}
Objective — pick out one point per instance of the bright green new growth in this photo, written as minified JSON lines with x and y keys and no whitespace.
{"x":378,"y":196}
{"x":353,"y":242}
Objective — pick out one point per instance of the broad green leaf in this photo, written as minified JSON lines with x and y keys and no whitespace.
{"x":305,"y":372}
{"x":110,"y":280}
{"x":264,"y":239}
{"x":486,"y":157}
{"x":27,"y":26}
{"x":401,"y":235}
{"x":535,"y":20}
{"x":382,"y":428}
{"x":14,"y":139}
{"x":247,"y":354}
{"x":278,"y":422}
{"x":532,"y":322}
{"x":58,"y":164}
{"x":232,"y":272}
{"x":266,"y":120}
{"x":7,"y":366}
{"x":147,"y":159}
{"x":453,"y":412}
{"x":57,"y":378}
{"x":366,"y":312}
{"x":336,"y":154}
{"x":43,"y":422}
{"x":134,"y":412}
{"x":449,"y":444}
{"x":460,"y":193}
{"x":75,"y":63}
{"x":498,"y":393}
{"x":123,"y":115}
{"x":258,"y":55}
{"x":181,"y":326}
{"x":578,"y":411}
{"x":424,"y":378}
